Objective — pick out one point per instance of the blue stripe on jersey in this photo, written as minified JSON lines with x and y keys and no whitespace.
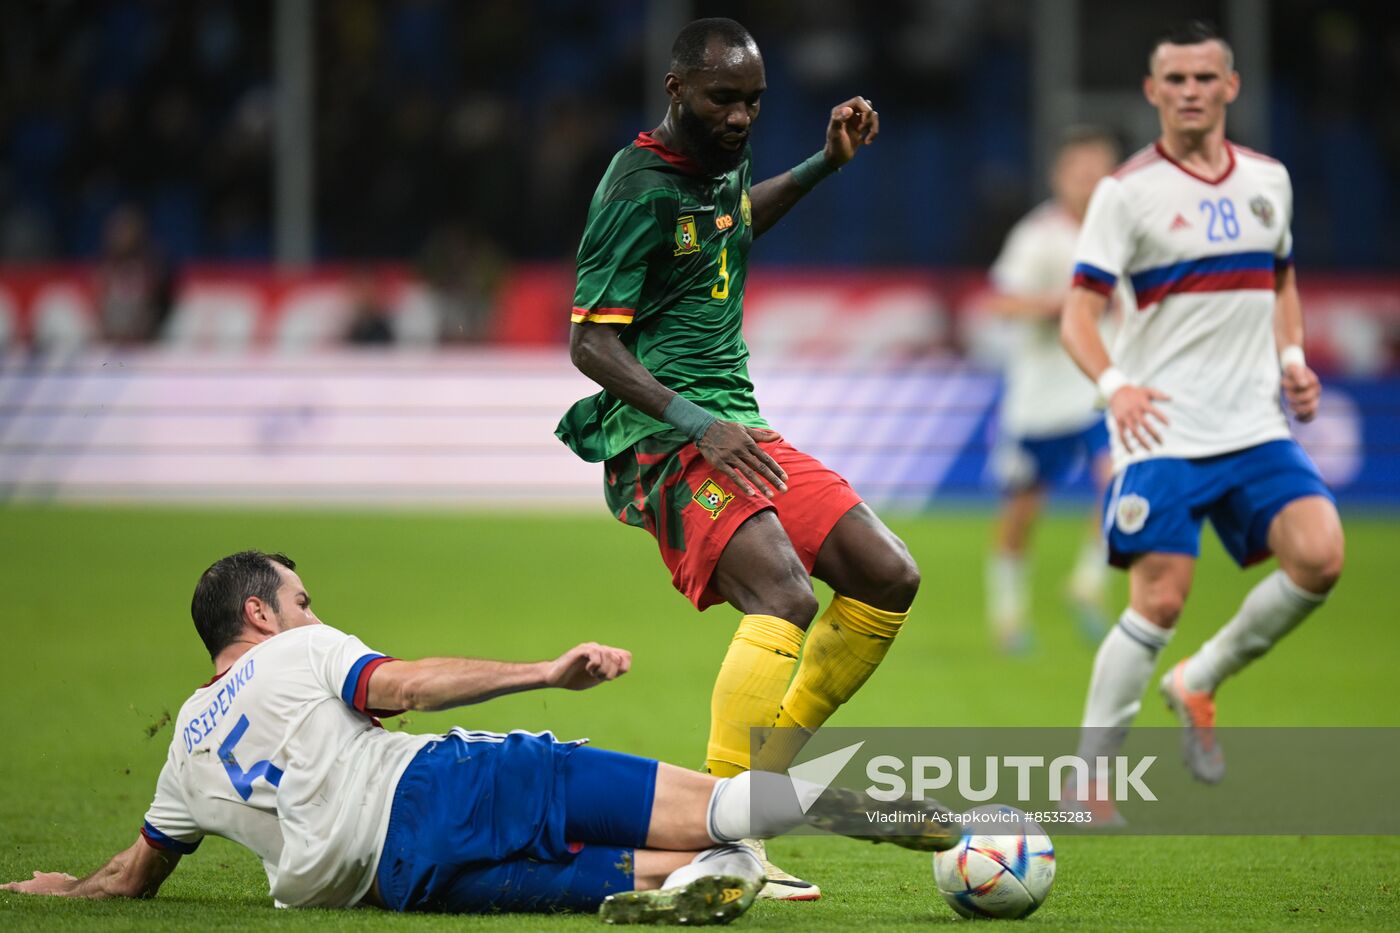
{"x":1229,"y":262}
{"x":1095,"y":273}
{"x":352,"y":679}
{"x":162,"y":841}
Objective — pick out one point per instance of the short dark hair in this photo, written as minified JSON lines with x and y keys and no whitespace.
{"x":217,"y":607}
{"x":1191,"y":32}
{"x":1087,"y":134}
{"x":688,"y":51}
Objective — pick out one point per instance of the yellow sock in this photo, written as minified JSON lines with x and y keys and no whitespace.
{"x":750,"y":685}
{"x":842,"y":650}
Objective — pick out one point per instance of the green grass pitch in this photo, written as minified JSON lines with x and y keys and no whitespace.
{"x":101,"y":649}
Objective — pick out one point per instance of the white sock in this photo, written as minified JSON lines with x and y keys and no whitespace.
{"x":1122,"y":668}
{"x":1271,"y":610}
{"x":733,"y":860}
{"x":756,"y":805}
{"x":1007,"y":593}
{"x":1090,"y":572}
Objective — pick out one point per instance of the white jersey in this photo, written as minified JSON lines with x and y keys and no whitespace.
{"x":1046,"y":394}
{"x":280,"y":755}
{"x":1198,"y":321}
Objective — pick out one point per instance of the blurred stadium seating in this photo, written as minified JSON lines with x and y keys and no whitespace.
{"x":456,"y":147}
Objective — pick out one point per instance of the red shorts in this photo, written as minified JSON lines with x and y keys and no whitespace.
{"x":693,"y":510}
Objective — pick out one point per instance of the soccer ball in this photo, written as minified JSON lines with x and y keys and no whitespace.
{"x":1005,"y":877}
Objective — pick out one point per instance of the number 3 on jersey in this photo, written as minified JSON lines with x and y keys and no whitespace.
{"x":1221,"y":213}
{"x":721,"y":289}
{"x":243,"y":780}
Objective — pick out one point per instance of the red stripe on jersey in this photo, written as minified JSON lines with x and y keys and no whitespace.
{"x":1227,"y":281}
{"x":1094,"y":285}
{"x":362,"y":689}
{"x":681,"y":161}
{"x":1229,"y":169}
{"x":611,"y":312}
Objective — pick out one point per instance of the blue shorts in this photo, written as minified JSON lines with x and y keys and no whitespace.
{"x":483,"y":822}
{"x":1156,"y":506}
{"x":1024,"y":462}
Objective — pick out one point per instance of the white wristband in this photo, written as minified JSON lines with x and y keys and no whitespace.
{"x":1291,"y":355}
{"x":1110,"y":381}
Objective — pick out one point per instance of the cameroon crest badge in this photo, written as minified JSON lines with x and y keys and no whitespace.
{"x":687,"y":237}
{"x":746,"y":209}
{"x":712,"y":498}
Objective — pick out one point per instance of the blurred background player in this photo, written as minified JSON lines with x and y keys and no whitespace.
{"x":1050,"y":430}
{"x":740,"y":515}
{"x":1200,"y":228}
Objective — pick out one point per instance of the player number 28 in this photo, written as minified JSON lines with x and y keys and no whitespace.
{"x":721,"y":289}
{"x":1220,"y":214}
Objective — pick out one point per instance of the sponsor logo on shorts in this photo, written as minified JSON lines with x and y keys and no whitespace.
{"x":712,"y":498}
{"x":1132,"y":513}
{"x":687,"y":236}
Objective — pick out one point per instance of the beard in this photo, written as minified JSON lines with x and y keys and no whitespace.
{"x":703,"y":146}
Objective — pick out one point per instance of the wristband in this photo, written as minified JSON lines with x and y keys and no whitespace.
{"x":686,"y":416}
{"x":1291,"y":355}
{"x":1110,"y":381}
{"x":812,"y":171}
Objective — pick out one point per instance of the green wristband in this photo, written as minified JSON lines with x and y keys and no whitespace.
{"x":812,"y":171}
{"x":686,"y":416}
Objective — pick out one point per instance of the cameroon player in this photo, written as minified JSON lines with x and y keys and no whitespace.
{"x":740,"y":515}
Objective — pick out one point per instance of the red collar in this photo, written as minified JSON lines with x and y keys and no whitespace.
{"x":683,"y":162}
{"x":216,"y":678}
{"x":1229,"y":151}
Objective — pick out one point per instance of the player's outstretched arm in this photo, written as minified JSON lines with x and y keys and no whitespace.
{"x":135,"y":872}
{"x":597,"y":351}
{"x":853,"y":124}
{"x":1301,"y":386}
{"x":1129,"y":405}
{"x":443,"y":683}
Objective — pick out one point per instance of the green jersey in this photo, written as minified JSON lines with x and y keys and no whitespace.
{"x":665,"y":253}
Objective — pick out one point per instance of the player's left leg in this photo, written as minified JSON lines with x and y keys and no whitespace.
{"x":1307,"y":538}
{"x":1089,"y":578}
{"x":1008,"y":590}
{"x":875,"y":581}
{"x":1278,"y":503}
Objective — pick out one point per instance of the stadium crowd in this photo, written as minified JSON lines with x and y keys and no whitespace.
{"x":458,"y":139}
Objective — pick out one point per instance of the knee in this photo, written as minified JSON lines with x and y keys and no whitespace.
{"x":792,"y":600}
{"x":902,"y":582}
{"x":1317,"y":567}
{"x":890,"y":583}
{"x":1161,"y":605}
{"x":799,"y":606}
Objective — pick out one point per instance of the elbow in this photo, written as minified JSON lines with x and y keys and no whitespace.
{"x":1067,"y":330}
{"x":582,"y":352}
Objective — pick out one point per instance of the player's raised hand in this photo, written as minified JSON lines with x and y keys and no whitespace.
{"x":44,"y":882}
{"x":733,"y":449}
{"x":588,"y":665}
{"x":854,"y":123}
{"x":1133,"y":410}
{"x":1303,"y":390}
